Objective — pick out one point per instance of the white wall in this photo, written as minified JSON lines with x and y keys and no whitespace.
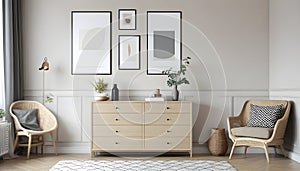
{"x":284,"y":60}
{"x":227,"y":40}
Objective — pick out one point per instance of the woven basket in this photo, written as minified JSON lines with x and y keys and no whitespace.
{"x":217,"y":143}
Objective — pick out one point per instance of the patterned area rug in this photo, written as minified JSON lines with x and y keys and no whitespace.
{"x":142,"y":165}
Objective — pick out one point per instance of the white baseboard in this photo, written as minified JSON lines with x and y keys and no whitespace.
{"x":84,"y":148}
{"x":70,"y":148}
{"x":294,"y":156}
{"x":202,"y":149}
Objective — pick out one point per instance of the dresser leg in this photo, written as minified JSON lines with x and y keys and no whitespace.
{"x":191,"y":154}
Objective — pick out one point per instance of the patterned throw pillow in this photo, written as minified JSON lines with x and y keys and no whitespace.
{"x":264,"y":116}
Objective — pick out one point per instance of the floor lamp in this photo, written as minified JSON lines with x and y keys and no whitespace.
{"x":44,"y":67}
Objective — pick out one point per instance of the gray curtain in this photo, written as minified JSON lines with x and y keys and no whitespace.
{"x":13,"y":61}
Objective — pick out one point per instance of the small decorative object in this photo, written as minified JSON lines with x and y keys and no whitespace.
{"x":217,"y":143}
{"x":44,"y":67}
{"x":164,"y":47}
{"x":157,"y":93}
{"x":176,"y":78}
{"x":115,"y":93}
{"x":2,"y":115}
{"x":127,"y":19}
{"x":100,"y":86}
{"x":129,"y":52}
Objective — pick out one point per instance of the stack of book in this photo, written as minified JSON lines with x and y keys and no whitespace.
{"x":155,"y":99}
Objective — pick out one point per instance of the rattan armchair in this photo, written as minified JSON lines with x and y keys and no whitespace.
{"x":275,"y":140}
{"x":47,"y":122}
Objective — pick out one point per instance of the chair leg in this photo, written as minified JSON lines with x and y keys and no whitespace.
{"x":266,"y":152}
{"x":232,"y":149}
{"x":16,"y":143}
{"x":53,"y":143}
{"x":42,"y":146}
{"x":275,"y":151}
{"x":29,"y":146}
{"x":282,"y":150}
{"x":245,"y":150}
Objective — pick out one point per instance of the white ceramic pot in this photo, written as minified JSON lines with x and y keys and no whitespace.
{"x":101,"y":96}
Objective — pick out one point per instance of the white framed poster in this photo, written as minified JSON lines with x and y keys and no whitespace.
{"x":91,"y":42}
{"x":163,"y":41}
{"x":129,"y":52}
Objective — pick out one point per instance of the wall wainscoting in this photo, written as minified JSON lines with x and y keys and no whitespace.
{"x":73,"y":111}
{"x":292,"y":137}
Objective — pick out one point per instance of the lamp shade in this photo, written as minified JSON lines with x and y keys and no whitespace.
{"x":45,"y":65}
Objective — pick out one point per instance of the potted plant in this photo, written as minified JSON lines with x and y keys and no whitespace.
{"x":176,"y":78}
{"x":100,"y":87}
{"x":2,"y":115}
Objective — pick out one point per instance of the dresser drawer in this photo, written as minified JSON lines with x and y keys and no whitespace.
{"x":118,"y":107}
{"x":117,"y":119}
{"x":117,"y":143}
{"x":167,"y":131}
{"x":167,"y":107}
{"x":169,"y":143}
{"x":167,"y":119}
{"x":125,"y":131}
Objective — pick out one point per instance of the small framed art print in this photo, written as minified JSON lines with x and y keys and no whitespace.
{"x":127,"y":19}
{"x":129,"y":52}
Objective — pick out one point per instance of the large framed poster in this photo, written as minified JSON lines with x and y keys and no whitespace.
{"x":91,"y":43}
{"x":163,"y":41}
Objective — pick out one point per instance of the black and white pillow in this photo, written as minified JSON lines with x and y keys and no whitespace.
{"x":264,"y":116}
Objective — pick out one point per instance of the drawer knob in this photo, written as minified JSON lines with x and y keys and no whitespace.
{"x":117,"y":131}
{"x":116,"y":143}
{"x":116,"y":119}
{"x":168,"y":143}
{"x":168,"y":131}
{"x":168,"y":119}
{"x":168,"y":107}
{"x":117,"y":107}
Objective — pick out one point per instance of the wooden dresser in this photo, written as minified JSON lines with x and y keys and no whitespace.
{"x":138,"y":126}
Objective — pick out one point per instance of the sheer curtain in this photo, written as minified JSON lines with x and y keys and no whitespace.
{"x":13,"y":62}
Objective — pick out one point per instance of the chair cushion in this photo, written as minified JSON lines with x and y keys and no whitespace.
{"x":28,"y":119}
{"x":264,"y":116}
{"x":254,"y":132}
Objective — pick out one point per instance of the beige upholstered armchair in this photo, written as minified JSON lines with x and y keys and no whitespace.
{"x":244,"y":136}
{"x":47,"y":123}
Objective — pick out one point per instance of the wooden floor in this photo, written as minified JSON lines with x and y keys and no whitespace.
{"x":253,"y":162}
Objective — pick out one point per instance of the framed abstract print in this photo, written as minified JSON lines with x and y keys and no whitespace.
{"x":91,"y":43}
{"x":129,"y":52}
{"x":127,"y":19}
{"x":163,"y":41}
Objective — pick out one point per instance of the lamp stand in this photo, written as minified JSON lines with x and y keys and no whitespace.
{"x":43,"y":87}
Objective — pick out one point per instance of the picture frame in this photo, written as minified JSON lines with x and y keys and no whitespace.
{"x":127,"y":19}
{"x":91,"y":52}
{"x":129,"y":48}
{"x":164,"y":41}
